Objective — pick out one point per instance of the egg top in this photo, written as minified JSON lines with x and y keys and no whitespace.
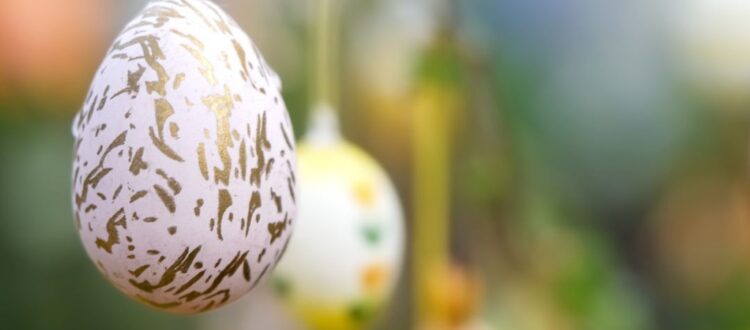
{"x":345,"y":256}
{"x":183,"y":182}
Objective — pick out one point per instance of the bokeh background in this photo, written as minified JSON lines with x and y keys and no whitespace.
{"x":596,"y":169}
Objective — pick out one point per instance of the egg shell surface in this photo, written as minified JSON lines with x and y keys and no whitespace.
{"x":184,"y":169}
{"x":345,"y":256}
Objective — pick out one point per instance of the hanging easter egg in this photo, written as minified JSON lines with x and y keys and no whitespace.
{"x":345,"y":256}
{"x":713,"y":38}
{"x":183,"y":182}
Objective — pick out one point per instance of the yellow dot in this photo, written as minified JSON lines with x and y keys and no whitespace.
{"x":365,"y":193}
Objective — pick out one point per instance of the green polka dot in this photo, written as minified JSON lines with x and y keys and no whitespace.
{"x":372,"y":234}
{"x":360,"y":312}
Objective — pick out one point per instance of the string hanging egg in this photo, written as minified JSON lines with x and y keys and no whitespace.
{"x":344,"y":259}
{"x":184,"y":170}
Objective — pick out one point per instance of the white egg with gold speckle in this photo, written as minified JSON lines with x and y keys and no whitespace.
{"x":343,"y":261}
{"x":184,"y":170}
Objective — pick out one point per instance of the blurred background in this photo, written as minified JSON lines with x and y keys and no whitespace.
{"x":596,"y":169}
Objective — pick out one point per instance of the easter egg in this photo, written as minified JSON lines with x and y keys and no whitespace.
{"x":184,"y":168}
{"x":345,"y":256}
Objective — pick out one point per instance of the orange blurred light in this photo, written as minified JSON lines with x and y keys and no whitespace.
{"x":51,"y":47}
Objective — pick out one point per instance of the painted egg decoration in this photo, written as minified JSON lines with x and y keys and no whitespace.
{"x":184,"y":170}
{"x":345,"y":256}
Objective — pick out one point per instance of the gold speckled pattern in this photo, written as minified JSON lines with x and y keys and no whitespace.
{"x":184,"y":161}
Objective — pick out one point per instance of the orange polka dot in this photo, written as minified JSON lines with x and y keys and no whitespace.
{"x":373,"y":278}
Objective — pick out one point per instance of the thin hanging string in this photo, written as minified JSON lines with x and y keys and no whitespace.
{"x":323,"y":123}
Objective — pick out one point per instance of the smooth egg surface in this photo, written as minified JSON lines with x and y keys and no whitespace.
{"x":345,"y":256}
{"x":184,"y":170}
